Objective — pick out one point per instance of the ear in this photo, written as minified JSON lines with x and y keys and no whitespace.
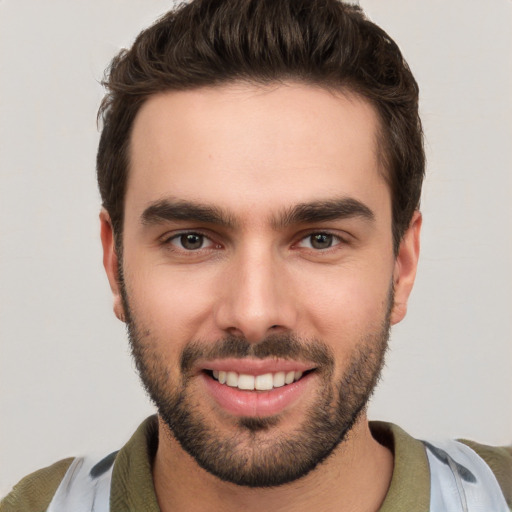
{"x":110,"y":262}
{"x":406,"y":264}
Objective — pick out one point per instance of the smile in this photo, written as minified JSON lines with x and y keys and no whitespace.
{"x":262,"y":382}
{"x":256,"y":387}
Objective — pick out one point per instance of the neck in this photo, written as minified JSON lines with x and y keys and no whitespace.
{"x":354,"y":478}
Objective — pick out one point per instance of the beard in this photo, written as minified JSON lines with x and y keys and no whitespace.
{"x":260,"y":454}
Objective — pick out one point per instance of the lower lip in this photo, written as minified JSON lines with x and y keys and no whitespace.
{"x":256,"y":403}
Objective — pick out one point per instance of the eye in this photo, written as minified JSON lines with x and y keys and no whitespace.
{"x":191,"y":241}
{"x":319,"y":241}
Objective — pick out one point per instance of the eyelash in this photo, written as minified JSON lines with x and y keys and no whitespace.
{"x":168,"y":241}
{"x":336,"y":240}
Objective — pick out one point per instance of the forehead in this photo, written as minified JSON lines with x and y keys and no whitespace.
{"x":286,"y":143}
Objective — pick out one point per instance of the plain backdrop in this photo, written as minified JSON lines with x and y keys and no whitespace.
{"x":67,"y":383}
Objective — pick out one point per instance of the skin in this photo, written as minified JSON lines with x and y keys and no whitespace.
{"x":257,"y":152}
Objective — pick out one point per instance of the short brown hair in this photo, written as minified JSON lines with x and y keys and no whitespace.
{"x":213,"y":42}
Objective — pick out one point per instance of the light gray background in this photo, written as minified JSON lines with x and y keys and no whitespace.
{"x":67,"y":384}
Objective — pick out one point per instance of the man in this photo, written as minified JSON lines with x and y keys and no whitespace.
{"x":260,"y":167}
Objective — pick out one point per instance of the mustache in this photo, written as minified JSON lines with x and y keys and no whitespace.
{"x":282,"y":346}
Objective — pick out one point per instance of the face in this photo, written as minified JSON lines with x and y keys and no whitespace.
{"x":258,"y":274}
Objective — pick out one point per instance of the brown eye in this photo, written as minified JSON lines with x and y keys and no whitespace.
{"x":321,"y":240}
{"x":190,"y":241}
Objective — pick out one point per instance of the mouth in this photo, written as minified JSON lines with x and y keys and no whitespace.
{"x":253,"y":388}
{"x":260,"y":382}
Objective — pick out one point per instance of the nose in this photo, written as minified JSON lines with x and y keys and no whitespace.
{"x":256,"y":297}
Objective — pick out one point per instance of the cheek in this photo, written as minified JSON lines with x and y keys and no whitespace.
{"x":174,"y":305}
{"x":347,"y":304}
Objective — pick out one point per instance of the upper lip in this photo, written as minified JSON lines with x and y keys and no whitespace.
{"x":250,"y":366}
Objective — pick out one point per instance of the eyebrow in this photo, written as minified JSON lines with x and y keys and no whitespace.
{"x":304,"y":213}
{"x":179,"y":210}
{"x":321,"y":211}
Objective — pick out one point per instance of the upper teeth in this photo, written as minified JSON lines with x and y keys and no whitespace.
{"x":262,"y":382}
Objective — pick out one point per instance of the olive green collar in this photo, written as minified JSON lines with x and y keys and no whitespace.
{"x":409,"y":490}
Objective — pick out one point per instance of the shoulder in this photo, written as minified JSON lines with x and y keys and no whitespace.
{"x":131,"y":478}
{"x":499,"y":459}
{"x":34,"y":492}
